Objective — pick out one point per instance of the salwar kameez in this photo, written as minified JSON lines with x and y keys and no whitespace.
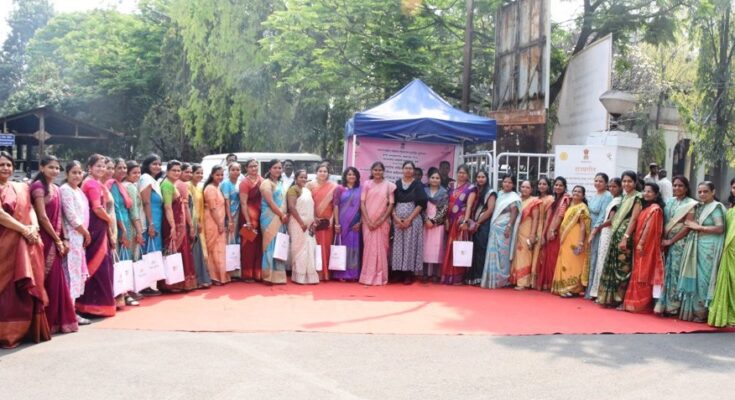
{"x":434,"y":237}
{"x":75,"y":208}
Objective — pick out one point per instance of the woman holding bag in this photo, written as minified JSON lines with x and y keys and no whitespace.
{"x":301,"y":231}
{"x":214,"y":227}
{"x":251,"y":243}
{"x":273,"y":219}
{"x":434,"y":231}
{"x":501,"y":239}
{"x":126,"y":233}
{"x":323,"y":194}
{"x":150,"y":195}
{"x":347,"y":229}
{"x":461,"y":201}
{"x":196,"y":209}
{"x":176,"y":230}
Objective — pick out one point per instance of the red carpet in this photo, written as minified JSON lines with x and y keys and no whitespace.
{"x":392,"y":309}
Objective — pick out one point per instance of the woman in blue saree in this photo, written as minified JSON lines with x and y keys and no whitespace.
{"x":501,"y":241}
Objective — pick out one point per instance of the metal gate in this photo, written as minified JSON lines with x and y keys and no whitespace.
{"x":479,"y":161}
{"x":523,"y":166}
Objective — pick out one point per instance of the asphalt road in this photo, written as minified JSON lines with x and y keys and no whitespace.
{"x":137,"y":365}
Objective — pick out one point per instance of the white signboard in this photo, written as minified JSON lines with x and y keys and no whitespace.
{"x":588,"y":76}
{"x":579,"y":165}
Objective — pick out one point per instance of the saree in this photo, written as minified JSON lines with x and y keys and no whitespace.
{"x":473,"y":275}
{"x":648,"y":265}
{"x":135,"y":211}
{"x":570,"y":272}
{"x":122,"y":215}
{"x":98,"y":298}
{"x":458,"y":198}
{"x":520,"y":270}
{"x":675,"y":213}
{"x":75,"y":210}
{"x":154,"y":243}
{"x":436,"y":212}
{"x":701,"y":259}
{"x":603,"y":248}
{"x":251,"y":251}
{"x":598,"y":206}
{"x":198,"y":245}
{"x":214,"y":203}
{"x":619,"y":264}
{"x":499,"y":248}
{"x":377,"y":197}
{"x":550,"y":251}
{"x":544,"y":210}
{"x":408,"y":244}
{"x":348,"y":201}
{"x":60,"y":312}
{"x":177,"y":196}
{"x":22,"y":293}
{"x":303,"y":244}
{"x":323,"y":196}
{"x":722,"y":307}
{"x":273,"y":271}
{"x":230,"y":190}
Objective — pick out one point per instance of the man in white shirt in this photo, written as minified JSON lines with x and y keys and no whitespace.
{"x":287,"y":177}
{"x":653,"y":173}
{"x":665,"y":185}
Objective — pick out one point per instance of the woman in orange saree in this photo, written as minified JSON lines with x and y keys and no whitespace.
{"x":322,"y":191}
{"x":22,"y":294}
{"x":527,"y":240}
{"x":648,"y":261}
{"x":214,"y":226}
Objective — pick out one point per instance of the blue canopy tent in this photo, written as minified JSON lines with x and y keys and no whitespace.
{"x":417,"y":113}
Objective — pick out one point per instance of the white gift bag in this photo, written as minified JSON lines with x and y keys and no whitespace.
{"x":123,"y":273}
{"x":174,"y":268}
{"x":154,"y":261}
{"x":338,"y":255}
{"x":232,"y":257}
{"x":318,"y":264}
{"x":281,"y":250}
{"x":462,"y":253}
{"x":141,"y":276}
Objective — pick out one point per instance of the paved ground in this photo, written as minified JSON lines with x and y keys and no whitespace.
{"x":139,"y":365}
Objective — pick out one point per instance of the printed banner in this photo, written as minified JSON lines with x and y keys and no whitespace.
{"x":579,"y":165}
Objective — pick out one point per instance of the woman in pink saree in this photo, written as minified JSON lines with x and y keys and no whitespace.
{"x":322,"y":191}
{"x":376,"y":204}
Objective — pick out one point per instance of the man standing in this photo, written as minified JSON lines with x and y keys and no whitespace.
{"x":231,"y":158}
{"x":665,"y":185}
{"x":444,"y":170}
{"x":287,"y":177}
{"x":652,"y":176}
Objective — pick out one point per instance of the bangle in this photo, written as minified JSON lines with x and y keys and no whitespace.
{"x":626,"y":236}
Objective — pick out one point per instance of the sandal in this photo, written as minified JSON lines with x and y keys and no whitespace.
{"x":130,"y":301}
{"x":82,"y":321}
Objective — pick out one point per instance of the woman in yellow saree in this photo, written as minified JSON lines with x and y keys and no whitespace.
{"x":571,"y":272}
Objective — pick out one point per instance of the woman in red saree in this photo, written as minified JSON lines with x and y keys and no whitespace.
{"x":251,"y":250}
{"x":47,"y":204}
{"x":322,"y":191}
{"x":550,"y":238}
{"x":98,"y":298}
{"x":648,"y":262}
{"x":22,"y":294}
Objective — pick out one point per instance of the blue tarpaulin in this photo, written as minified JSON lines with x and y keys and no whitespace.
{"x":417,"y":113}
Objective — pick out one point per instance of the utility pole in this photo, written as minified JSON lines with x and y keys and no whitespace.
{"x":467,"y":70}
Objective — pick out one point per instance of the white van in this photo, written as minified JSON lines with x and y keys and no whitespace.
{"x":305,"y":161}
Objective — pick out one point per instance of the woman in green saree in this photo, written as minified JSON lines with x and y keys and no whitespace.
{"x":722,"y":308}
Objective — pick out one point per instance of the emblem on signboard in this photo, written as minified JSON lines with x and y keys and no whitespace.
{"x":563,"y":156}
{"x":586,"y":154}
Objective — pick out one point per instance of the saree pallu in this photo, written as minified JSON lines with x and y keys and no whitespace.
{"x":180,"y":241}
{"x":22,"y":293}
{"x":122,"y":215}
{"x":598,"y":214}
{"x":348,"y":201}
{"x":619,"y":264}
{"x":520,"y":270}
{"x":98,"y":298}
{"x":376,"y":197}
{"x":60,"y":308}
{"x":303,"y":245}
{"x":570,"y":273}
{"x":499,"y":253}
{"x":198,"y":245}
{"x":408,"y":244}
{"x":135,"y":215}
{"x":473,"y":275}
{"x":701,"y":259}
{"x":550,"y":251}
{"x":544,"y":209}
{"x":603,"y":247}
{"x":272,"y":270}
{"x":323,"y":202}
{"x":722,"y":307}
{"x":214,"y":201}
{"x":458,"y":198}
{"x":75,"y":208}
{"x":675,"y":214}
{"x":648,"y":265}
{"x":251,"y":251}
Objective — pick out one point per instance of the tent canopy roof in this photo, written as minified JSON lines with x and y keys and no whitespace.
{"x":417,"y":113}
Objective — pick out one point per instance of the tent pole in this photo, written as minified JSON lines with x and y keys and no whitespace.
{"x":354,"y":149}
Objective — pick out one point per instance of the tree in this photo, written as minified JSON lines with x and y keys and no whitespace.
{"x":25,"y":19}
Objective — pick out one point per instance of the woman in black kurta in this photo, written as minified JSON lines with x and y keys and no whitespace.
{"x":408,"y":226}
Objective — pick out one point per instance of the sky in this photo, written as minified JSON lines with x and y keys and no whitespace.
{"x":561,"y":10}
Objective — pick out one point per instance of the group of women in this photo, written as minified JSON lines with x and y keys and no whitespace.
{"x":623,"y":248}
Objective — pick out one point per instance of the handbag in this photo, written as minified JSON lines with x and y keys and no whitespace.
{"x":247,"y":234}
{"x":322,"y":224}
{"x":462,"y":252}
{"x":123,"y":272}
{"x":232,"y":256}
{"x":174,"y":268}
{"x":280,"y":252}
{"x":338,"y":255}
{"x":154,"y":260}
